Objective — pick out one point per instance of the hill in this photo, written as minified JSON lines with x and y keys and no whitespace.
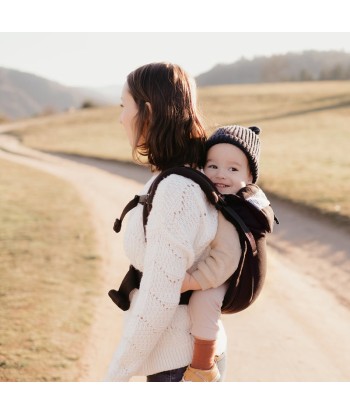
{"x":25,"y":95}
{"x":289,"y":67}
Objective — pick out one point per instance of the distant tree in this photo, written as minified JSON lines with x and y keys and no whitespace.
{"x":306,"y":66}
{"x":305,"y":75}
{"x":347,"y":72}
{"x":338,"y":72}
{"x":324,"y":75}
{"x":275,"y":69}
{"x":88,"y":104}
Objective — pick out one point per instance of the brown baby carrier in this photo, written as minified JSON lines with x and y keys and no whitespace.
{"x":252,"y":221}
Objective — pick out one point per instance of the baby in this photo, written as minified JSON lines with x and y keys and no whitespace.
{"x":232,"y":163}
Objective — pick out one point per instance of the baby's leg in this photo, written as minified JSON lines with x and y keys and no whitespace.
{"x":205,"y":311}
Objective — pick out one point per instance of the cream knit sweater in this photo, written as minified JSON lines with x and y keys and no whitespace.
{"x":156,"y":334}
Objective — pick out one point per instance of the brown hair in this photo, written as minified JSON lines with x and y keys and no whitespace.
{"x":172,"y":134}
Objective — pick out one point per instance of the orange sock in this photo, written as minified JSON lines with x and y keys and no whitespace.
{"x":203,"y":354}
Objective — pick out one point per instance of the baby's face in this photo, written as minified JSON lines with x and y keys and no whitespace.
{"x":228,"y":168}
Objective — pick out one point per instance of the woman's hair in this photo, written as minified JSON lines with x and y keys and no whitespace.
{"x":168,"y":130}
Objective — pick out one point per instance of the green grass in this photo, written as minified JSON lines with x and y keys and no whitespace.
{"x":48,"y":276}
{"x":305,"y":136}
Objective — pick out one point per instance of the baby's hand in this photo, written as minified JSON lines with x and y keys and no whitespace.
{"x":189,"y":283}
{"x":186,"y":283}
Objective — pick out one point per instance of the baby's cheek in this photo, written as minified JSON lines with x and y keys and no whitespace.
{"x":237,"y":186}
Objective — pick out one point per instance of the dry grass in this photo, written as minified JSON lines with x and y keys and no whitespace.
{"x":94,"y":132}
{"x":305,"y":138}
{"x":48,"y":269}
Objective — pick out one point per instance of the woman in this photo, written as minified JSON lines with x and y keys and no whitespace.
{"x":160,"y":118}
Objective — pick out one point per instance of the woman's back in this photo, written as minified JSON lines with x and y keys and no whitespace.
{"x":180,"y":227}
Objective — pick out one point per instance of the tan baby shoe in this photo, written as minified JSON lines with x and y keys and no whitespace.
{"x":198,"y":375}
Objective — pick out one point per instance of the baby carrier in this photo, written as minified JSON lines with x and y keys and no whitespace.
{"x":253,"y":219}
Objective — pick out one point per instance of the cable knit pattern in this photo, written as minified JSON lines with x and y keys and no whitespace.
{"x":156,"y":334}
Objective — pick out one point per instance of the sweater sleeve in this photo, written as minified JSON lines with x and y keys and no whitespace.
{"x":173,"y":224}
{"x":223,"y":258}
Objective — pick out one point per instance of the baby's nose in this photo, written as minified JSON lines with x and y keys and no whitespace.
{"x":221,"y":173}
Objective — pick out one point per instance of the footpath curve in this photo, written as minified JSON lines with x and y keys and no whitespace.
{"x":298,"y":330}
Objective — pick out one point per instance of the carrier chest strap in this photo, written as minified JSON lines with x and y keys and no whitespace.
{"x":118,"y":222}
{"x":142,"y":199}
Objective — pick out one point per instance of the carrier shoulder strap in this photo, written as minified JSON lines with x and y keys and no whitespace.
{"x":195,"y":175}
{"x":146,"y":200}
{"x":231,"y":215}
{"x":213,"y":196}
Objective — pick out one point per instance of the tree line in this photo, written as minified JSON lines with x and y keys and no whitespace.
{"x":290,"y":67}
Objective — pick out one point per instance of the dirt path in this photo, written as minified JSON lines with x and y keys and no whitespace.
{"x":298,"y":330}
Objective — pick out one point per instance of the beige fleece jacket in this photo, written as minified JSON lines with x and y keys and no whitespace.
{"x":223,"y":258}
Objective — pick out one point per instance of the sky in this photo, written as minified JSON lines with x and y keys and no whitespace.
{"x":95,"y":44}
{"x":96,"y":59}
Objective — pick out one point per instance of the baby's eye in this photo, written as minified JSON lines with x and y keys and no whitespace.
{"x":211,"y":166}
{"x":121,"y":106}
{"x":233,"y":169}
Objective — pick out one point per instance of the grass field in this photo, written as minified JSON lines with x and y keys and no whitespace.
{"x":48,"y":276}
{"x":305,"y":136}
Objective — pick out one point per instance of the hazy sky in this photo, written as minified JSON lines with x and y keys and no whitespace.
{"x":100,"y":59}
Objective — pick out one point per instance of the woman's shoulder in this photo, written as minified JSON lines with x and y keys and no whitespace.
{"x":176,"y":192}
{"x":179,"y":206}
{"x":176,"y":185}
{"x":169,"y":183}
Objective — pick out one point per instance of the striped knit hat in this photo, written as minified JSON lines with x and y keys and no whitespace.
{"x":247,"y":139}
